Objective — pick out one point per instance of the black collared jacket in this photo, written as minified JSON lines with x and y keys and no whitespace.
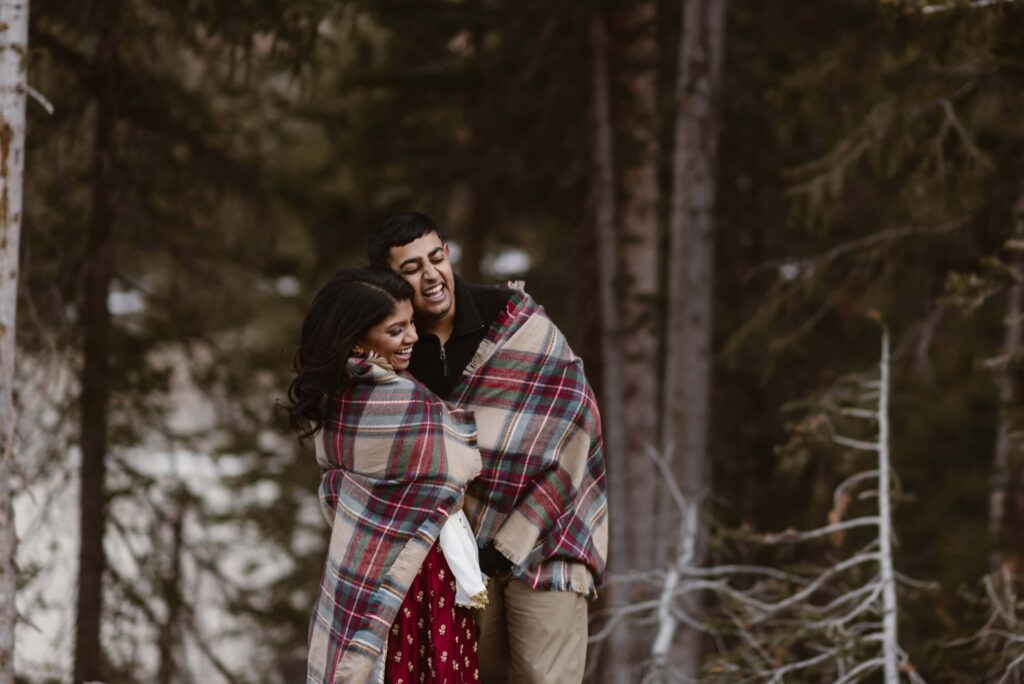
{"x":439,"y":366}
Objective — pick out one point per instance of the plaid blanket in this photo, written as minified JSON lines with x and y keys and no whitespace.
{"x":540,"y":497}
{"x":395,"y":461}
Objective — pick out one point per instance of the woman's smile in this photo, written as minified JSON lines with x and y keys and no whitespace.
{"x":393,"y":338}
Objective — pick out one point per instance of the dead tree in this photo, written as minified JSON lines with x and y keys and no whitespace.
{"x":999,"y":643}
{"x":841,"y":621}
{"x":835,"y":623}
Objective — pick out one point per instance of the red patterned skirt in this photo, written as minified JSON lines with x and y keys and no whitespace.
{"x":432,"y":640}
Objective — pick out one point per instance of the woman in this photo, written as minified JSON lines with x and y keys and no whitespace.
{"x":395,"y":461}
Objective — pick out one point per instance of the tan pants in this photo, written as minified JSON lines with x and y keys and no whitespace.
{"x":532,"y":637}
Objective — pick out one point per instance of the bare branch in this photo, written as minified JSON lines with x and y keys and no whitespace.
{"x":855,"y":443}
{"x":811,"y":264}
{"x":865,"y":668}
{"x":791,"y":536}
{"x":40,"y":99}
{"x":974,"y":4}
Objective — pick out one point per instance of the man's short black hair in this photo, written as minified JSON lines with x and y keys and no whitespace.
{"x":398,"y":230}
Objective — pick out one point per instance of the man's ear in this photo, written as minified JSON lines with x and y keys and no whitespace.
{"x":447,"y":252}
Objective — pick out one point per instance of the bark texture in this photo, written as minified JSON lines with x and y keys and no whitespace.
{"x":639,"y":268}
{"x":13,"y":49}
{"x":95,"y":375}
{"x":603,"y":197}
{"x":687,"y":415}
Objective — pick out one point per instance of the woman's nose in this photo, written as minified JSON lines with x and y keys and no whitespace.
{"x":410,"y":335}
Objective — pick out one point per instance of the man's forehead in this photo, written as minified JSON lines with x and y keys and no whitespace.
{"x":420,"y":248}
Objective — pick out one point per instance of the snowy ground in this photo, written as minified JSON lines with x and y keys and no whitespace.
{"x":47,"y":523}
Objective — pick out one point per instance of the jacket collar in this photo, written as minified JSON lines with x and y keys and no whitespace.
{"x":467,"y":315}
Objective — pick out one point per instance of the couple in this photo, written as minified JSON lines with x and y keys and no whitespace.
{"x":458,"y":441}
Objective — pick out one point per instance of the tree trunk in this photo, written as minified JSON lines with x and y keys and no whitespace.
{"x":470,"y":196}
{"x":470,"y":230}
{"x":687,"y":413}
{"x":639,"y":268}
{"x":1004,"y":510}
{"x":95,"y":376}
{"x":170,"y":631}
{"x":603,"y":197}
{"x":13,"y":48}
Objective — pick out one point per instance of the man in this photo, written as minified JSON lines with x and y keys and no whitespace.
{"x":539,"y":507}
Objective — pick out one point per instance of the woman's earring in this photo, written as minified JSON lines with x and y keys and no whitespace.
{"x":357,"y":350}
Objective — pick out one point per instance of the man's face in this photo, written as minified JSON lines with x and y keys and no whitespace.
{"x":425,"y":265}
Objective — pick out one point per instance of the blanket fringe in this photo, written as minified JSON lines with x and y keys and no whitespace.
{"x":483,"y":352}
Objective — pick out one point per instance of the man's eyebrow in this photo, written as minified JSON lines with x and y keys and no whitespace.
{"x":414,"y":260}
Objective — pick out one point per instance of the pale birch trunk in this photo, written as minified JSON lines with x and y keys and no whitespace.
{"x":639,"y":268}
{"x":603,"y":197}
{"x":687,"y":414}
{"x":13,"y":86}
{"x":1008,"y":442}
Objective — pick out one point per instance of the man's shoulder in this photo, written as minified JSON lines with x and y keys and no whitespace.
{"x":489,"y":293}
{"x":490,"y":300}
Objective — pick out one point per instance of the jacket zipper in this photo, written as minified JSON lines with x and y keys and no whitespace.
{"x":444,"y":362}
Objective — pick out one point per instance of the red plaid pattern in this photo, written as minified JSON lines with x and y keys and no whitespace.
{"x":540,"y":497}
{"x":395,"y":463}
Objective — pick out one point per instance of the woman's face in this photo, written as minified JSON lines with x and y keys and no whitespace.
{"x":392,"y":338}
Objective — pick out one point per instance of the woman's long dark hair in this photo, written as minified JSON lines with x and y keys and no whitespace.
{"x":353,"y":301}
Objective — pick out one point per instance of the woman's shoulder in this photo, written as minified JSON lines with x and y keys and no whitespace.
{"x":369,"y":371}
{"x":374,"y":374}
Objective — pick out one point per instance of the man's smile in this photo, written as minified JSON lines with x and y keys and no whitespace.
{"x":434,"y":293}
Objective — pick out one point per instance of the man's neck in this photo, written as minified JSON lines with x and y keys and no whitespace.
{"x":443,"y":327}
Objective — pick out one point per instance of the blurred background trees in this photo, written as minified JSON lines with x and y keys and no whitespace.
{"x":707,"y":198}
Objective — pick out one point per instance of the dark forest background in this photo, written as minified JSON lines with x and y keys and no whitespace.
{"x":717,"y":203}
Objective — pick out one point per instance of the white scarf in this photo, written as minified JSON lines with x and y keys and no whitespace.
{"x":458,"y":544}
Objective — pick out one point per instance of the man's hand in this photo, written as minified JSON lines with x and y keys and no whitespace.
{"x":492,"y":562}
